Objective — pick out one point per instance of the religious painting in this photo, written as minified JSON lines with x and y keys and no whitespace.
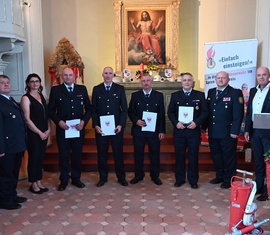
{"x":144,"y":29}
{"x":146,"y":35}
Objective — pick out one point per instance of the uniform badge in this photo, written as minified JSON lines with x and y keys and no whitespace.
{"x":240,"y":100}
{"x":226,"y":98}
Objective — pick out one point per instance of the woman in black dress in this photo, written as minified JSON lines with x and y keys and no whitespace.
{"x":35,"y":110}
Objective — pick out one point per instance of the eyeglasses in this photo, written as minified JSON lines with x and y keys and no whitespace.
{"x":36,"y":81}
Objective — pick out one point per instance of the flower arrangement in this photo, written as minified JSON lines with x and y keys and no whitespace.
{"x":151,"y":63}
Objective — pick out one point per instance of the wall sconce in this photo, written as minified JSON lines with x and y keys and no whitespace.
{"x":27,"y":4}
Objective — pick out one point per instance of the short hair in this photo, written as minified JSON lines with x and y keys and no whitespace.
{"x":4,"y":76}
{"x":186,"y":73}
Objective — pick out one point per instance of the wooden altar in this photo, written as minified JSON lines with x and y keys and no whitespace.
{"x":166,"y":87}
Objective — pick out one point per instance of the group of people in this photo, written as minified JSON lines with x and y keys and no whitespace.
{"x":27,"y":126}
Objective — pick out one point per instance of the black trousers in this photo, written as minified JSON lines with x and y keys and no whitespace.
{"x":9,"y":173}
{"x":154,"y":155}
{"x":180,"y":146}
{"x":70,"y":150}
{"x":260,"y":145}
{"x":117,"y":147}
{"x":223,"y":152}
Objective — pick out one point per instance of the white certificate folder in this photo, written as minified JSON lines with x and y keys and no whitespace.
{"x":107,"y":124}
{"x":261,"y":121}
{"x":185,"y":114}
{"x":150,"y":119}
{"x":72,"y":132}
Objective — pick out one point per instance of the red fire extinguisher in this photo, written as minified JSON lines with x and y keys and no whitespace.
{"x":241,"y":201}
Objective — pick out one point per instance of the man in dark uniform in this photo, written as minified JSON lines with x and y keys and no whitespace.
{"x":12,"y":146}
{"x":147,"y":100}
{"x":109,"y":98}
{"x":187,"y":134}
{"x":259,"y":102}
{"x":69,"y":101}
{"x":226,"y":110}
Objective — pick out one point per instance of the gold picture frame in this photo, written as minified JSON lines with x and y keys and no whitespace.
{"x":167,"y":33}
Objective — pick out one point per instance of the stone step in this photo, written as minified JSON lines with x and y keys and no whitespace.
{"x":167,"y":157}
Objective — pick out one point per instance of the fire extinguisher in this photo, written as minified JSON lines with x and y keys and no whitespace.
{"x":242,"y":208}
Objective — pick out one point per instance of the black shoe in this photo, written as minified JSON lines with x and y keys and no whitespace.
{"x":78,"y":183}
{"x":216,"y":181}
{"x":35,"y":192}
{"x":263,"y":197}
{"x":44,"y":190}
{"x":157,"y":181}
{"x":179,"y":184}
{"x":225,"y":185}
{"x":11,"y":206}
{"x":123,"y":182}
{"x":194,"y":186}
{"x":135,"y":180}
{"x":101,"y":183}
{"x":19,"y":199}
{"x":62,"y":186}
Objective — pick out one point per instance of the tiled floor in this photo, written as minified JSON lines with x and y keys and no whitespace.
{"x":144,"y":208}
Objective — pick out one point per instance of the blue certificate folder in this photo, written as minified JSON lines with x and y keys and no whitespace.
{"x":261,"y":121}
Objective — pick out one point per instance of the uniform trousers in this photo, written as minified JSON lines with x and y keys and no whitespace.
{"x":223,"y":152}
{"x":154,"y":155}
{"x":180,"y":146}
{"x":117,"y":147}
{"x":70,"y":147}
{"x":9,"y":173}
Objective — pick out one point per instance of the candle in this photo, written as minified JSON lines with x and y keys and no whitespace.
{"x":141,"y":66}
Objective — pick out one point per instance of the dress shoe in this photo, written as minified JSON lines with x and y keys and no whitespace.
{"x":179,"y":184}
{"x":157,"y":181}
{"x":123,"y":182}
{"x":135,"y":180}
{"x":225,"y":185}
{"x":19,"y":199}
{"x":35,"y":192}
{"x":44,"y":190}
{"x":216,"y":181}
{"x":263,"y":197}
{"x":62,"y":186}
{"x":101,"y":183}
{"x":11,"y":206}
{"x":194,"y":186}
{"x":78,"y":183}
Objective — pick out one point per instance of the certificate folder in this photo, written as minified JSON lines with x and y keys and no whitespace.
{"x":261,"y":121}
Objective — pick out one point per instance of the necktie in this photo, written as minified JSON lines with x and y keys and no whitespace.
{"x":187,"y":93}
{"x":107,"y":88}
{"x":70,"y":89}
{"x":218,"y":93}
{"x":146,"y":95}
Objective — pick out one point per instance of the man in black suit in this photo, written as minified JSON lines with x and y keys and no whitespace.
{"x":187,"y":134}
{"x":259,"y":102}
{"x":226,"y":110}
{"x":147,"y":100}
{"x":109,"y":98}
{"x":12,"y":146}
{"x":69,"y":101}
